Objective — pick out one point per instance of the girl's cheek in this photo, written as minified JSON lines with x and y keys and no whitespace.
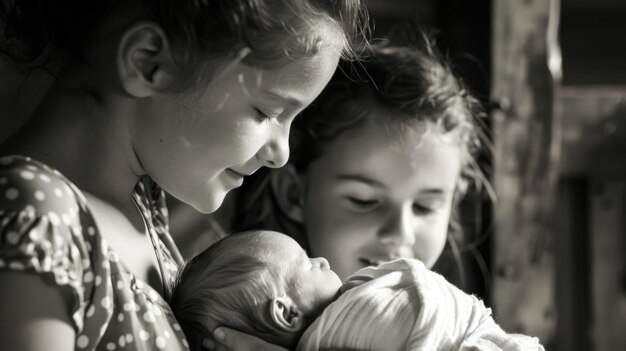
{"x":345,"y":224}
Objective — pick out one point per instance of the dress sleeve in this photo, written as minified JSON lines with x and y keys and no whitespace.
{"x":41,"y":232}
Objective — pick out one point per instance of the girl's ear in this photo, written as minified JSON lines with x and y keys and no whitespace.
{"x":288,"y":189}
{"x":286,"y":315}
{"x":144,"y":60}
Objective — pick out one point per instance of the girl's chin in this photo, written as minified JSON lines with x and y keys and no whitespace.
{"x":209,"y":204}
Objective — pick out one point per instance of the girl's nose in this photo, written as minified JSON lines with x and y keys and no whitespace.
{"x":275,"y":153}
{"x":399,"y":229}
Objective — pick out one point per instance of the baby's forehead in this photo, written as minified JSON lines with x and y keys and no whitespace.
{"x":267,"y":245}
{"x":271,"y":260}
{"x":253,"y":243}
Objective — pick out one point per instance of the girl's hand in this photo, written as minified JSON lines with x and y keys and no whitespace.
{"x":226,"y":339}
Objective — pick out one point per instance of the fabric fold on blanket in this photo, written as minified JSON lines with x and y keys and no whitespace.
{"x":401,"y":305}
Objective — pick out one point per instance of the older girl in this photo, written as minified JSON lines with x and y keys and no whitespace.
{"x":190,"y":95}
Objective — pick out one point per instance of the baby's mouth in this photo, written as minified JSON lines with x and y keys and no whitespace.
{"x":371,"y":261}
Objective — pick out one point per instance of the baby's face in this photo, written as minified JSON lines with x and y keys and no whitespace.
{"x":310,"y":282}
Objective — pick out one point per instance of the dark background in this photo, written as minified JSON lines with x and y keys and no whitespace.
{"x":593,"y":42}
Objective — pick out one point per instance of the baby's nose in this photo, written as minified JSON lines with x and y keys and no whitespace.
{"x":323,"y":263}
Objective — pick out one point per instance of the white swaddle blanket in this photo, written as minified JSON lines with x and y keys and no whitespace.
{"x":408,"y":307}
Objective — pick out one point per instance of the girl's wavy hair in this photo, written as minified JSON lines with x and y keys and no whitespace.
{"x":47,"y":34}
{"x":415,"y":81}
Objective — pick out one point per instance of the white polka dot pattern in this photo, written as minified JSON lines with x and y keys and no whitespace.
{"x":46,"y":227}
{"x":82,"y":341}
{"x":11,"y":194}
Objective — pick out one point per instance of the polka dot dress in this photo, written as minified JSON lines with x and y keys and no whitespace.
{"x":46,"y":227}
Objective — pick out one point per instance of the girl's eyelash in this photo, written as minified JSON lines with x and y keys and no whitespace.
{"x":422,"y":209}
{"x":260,"y":115}
{"x":362,"y":203}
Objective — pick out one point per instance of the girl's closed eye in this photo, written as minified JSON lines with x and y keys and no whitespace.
{"x":362,"y":204}
{"x":422,"y":209}
{"x":427,"y":206}
{"x":268,"y":113}
{"x":260,"y":115}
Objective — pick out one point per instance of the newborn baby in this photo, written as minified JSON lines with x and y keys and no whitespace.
{"x":263,"y":283}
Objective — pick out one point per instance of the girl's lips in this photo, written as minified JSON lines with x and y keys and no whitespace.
{"x":236,"y":179}
{"x":377,"y":260}
{"x":387,"y":255}
{"x":235,"y":173}
{"x":243,"y":172}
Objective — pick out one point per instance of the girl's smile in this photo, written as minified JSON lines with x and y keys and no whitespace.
{"x":234,"y":177}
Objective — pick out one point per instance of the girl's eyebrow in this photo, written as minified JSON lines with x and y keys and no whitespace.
{"x":375,"y":183}
{"x":362,"y":179}
{"x":433,"y":191}
{"x":290,"y":100}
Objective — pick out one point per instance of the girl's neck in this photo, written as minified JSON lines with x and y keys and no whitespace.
{"x":87,"y":137}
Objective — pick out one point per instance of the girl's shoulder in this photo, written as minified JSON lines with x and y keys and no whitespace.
{"x":31,"y":186}
{"x":46,"y":228}
{"x":42,"y":221}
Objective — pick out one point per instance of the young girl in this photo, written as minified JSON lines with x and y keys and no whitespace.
{"x":378,"y":165}
{"x":263,"y":282}
{"x":190,"y":95}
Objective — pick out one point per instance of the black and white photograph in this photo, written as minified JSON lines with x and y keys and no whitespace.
{"x":313,"y":175}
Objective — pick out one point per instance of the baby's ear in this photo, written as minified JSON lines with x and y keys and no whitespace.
{"x":144,"y":60}
{"x":286,"y":314}
{"x":288,"y":189}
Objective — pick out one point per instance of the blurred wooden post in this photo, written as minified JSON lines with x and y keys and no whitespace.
{"x":592,"y":302}
{"x":607,"y":251}
{"x":526,"y":74}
